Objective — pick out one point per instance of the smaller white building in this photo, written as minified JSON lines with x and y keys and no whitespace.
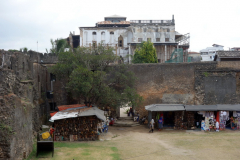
{"x":209,"y":53}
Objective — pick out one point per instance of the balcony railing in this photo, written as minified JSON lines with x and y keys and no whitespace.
{"x":151,"y":21}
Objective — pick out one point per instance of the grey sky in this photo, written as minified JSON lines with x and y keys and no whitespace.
{"x":24,"y":22}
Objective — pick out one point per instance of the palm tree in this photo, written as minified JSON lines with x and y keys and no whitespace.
{"x":58,"y":46}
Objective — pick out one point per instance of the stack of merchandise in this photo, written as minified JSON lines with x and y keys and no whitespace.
{"x":238,"y":120}
{"x":76,"y":129}
{"x":178,"y":120}
{"x":224,"y":117}
{"x":190,"y":119}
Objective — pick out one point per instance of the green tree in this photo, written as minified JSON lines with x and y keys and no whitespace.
{"x":58,"y":46}
{"x":91,"y":79}
{"x":145,"y":53}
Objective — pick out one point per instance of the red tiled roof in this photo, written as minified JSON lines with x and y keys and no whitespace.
{"x":109,"y":22}
{"x":52,"y":114}
{"x":64,"y":107}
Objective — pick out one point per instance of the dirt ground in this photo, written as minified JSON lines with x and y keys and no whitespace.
{"x":137,"y":143}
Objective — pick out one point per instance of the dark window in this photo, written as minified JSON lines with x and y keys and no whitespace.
{"x":53,"y":106}
{"x":166,"y":39}
{"x":159,"y":60}
{"x":157,"y":39}
{"x":139,"y":39}
{"x":111,"y":32}
{"x":120,"y":41}
{"x":94,"y":33}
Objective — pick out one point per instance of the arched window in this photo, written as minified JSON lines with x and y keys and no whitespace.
{"x":120,"y":41}
{"x":111,"y":37}
{"x":103,"y":37}
{"x":94,"y":36}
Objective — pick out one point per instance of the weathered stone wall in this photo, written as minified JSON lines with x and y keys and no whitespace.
{"x":188,"y":83}
{"x":23,"y":86}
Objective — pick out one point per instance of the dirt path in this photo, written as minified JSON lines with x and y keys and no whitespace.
{"x":137,"y":143}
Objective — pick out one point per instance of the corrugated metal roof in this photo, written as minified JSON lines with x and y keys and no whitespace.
{"x":181,"y":107}
{"x":201,"y":107}
{"x":79,"y":112}
{"x":228,"y":107}
{"x":165,"y":107}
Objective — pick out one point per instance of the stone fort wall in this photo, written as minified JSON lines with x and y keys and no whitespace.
{"x":25,"y":78}
{"x":188,"y":83}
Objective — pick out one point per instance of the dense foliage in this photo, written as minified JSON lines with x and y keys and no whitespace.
{"x":58,"y":46}
{"x":92,"y":80}
{"x":145,"y":53}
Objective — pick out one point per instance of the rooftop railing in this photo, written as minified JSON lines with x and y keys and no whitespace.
{"x":151,"y":21}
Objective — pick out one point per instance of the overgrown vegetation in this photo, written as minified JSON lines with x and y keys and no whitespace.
{"x":145,"y":53}
{"x":206,"y":74}
{"x":92,"y":80}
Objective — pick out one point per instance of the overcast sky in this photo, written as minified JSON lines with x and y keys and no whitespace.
{"x":24,"y":22}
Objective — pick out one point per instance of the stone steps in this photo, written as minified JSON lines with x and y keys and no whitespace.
{"x":126,"y":122}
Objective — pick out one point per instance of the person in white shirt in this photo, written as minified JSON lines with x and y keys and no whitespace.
{"x":152,"y":125}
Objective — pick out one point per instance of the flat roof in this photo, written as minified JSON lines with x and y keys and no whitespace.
{"x":165,"y":107}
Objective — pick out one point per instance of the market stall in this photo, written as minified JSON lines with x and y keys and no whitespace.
{"x":207,"y":113}
{"x":229,"y":116}
{"x":172,"y":114}
{"x":77,"y":124}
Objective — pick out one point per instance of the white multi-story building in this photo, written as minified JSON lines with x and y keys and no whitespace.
{"x":209,"y":53}
{"x":124,"y":35}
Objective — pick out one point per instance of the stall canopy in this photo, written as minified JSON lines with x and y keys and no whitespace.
{"x":228,"y":107}
{"x":201,"y":107}
{"x":165,"y":107}
{"x":79,"y":112}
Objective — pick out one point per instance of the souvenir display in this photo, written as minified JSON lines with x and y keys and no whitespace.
{"x":76,"y":129}
{"x":190,"y":119}
{"x":179,"y":124}
{"x":203,"y":125}
{"x":224,"y":117}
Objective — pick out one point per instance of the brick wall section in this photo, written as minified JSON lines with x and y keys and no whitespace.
{"x":187,"y":83}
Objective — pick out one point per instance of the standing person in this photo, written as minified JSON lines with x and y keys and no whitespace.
{"x":152,"y":125}
{"x":160,"y":123}
{"x":131,"y":111}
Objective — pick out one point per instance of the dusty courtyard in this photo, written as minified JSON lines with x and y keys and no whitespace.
{"x":136,"y":143}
